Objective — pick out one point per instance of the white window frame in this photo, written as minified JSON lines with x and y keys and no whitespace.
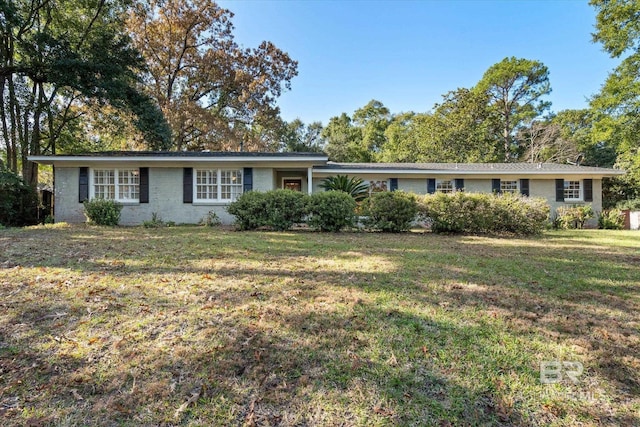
{"x":221,"y":186}
{"x":117,"y":184}
{"x":513,"y":188}
{"x":451,"y":186}
{"x":567,"y":184}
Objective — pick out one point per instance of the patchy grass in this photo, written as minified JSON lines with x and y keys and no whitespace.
{"x":201,"y":326}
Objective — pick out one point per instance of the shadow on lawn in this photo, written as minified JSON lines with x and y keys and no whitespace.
{"x":257,"y":355}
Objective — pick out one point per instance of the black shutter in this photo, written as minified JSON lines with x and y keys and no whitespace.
{"x":588,"y":190}
{"x":559,"y":190}
{"x":459,"y":184}
{"x":393,"y":184}
{"x":247,"y":179}
{"x":524,"y":187}
{"x":495,"y":185}
{"x":431,"y":185}
{"x":144,"y":185}
{"x":83,"y":185}
{"x":187,"y":185}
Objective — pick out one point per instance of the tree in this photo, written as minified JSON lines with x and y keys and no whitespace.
{"x":358,"y":139}
{"x":515,"y":88}
{"x":616,"y":107}
{"x":54,"y":55}
{"x":344,"y":140}
{"x":542,"y":141}
{"x":460,"y":129}
{"x":298,"y":137}
{"x":214,"y":93}
{"x":373,"y":119}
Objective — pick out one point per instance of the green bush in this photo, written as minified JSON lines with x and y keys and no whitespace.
{"x":249,"y":210}
{"x":462,"y":212}
{"x":284,"y":208}
{"x":612,"y":219}
{"x":393,"y":211}
{"x":331,"y":211}
{"x":575,"y":216}
{"x":102,"y":212}
{"x":632,"y":205}
{"x":277,"y":209}
{"x":18,"y":201}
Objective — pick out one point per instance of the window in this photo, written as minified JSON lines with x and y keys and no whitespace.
{"x":444,"y":186}
{"x":508,"y":186}
{"x":217,"y":184}
{"x":122,"y":185}
{"x":572,"y":190}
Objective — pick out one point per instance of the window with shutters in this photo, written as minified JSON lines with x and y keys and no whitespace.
{"x":217,"y":185}
{"x":572,"y":191}
{"x":508,"y":186}
{"x":444,"y":186}
{"x":122,"y":185}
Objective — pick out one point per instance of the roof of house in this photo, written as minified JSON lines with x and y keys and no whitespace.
{"x":321,"y":165}
{"x":470,"y":167}
{"x":183,"y":154}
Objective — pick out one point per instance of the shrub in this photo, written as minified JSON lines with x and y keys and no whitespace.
{"x":484,"y":213}
{"x":283,"y":208}
{"x":18,"y":201}
{"x":331,"y":211}
{"x":570,"y":217}
{"x":277,"y":209}
{"x":211,"y":219}
{"x":393,"y":211}
{"x":249,"y":210}
{"x":102,"y":212}
{"x":633,"y":205}
{"x":353,"y":186}
{"x":612,"y":219}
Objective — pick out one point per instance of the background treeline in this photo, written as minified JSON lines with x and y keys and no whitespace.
{"x":97,"y":75}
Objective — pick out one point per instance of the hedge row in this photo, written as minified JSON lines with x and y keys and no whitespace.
{"x":392,"y":212}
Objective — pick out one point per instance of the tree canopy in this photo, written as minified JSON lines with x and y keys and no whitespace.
{"x":56,"y":55}
{"x":214,"y":93}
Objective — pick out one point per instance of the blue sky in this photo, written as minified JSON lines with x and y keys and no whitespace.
{"x":407,"y":54}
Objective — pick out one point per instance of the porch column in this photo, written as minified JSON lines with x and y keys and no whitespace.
{"x":309,"y":180}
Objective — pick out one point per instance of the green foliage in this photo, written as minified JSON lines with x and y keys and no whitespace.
{"x":633,"y":205}
{"x":612,"y":219}
{"x":484,"y":213}
{"x":249,"y":210}
{"x":284,"y":208}
{"x":18,"y":201}
{"x":301,"y":138}
{"x":460,"y":129}
{"x":573,"y":217}
{"x":353,"y":186}
{"x":331,"y":211}
{"x":102,"y":212}
{"x":392,"y":211}
{"x":515,"y":87}
{"x":276,"y":209}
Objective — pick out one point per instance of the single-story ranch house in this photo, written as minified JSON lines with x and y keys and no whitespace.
{"x":185,"y":186}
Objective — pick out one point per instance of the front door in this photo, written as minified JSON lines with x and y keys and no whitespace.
{"x":294,"y":184}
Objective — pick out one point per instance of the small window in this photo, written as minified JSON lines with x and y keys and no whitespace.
{"x":508,"y":186}
{"x":217,"y":185}
{"x":122,"y":185}
{"x":444,"y":186}
{"x":572,"y":190}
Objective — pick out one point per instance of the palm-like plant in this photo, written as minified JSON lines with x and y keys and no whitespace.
{"x":353,"y":186}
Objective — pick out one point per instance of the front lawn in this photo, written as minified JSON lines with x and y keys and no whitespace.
{"x":203,"y":326}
